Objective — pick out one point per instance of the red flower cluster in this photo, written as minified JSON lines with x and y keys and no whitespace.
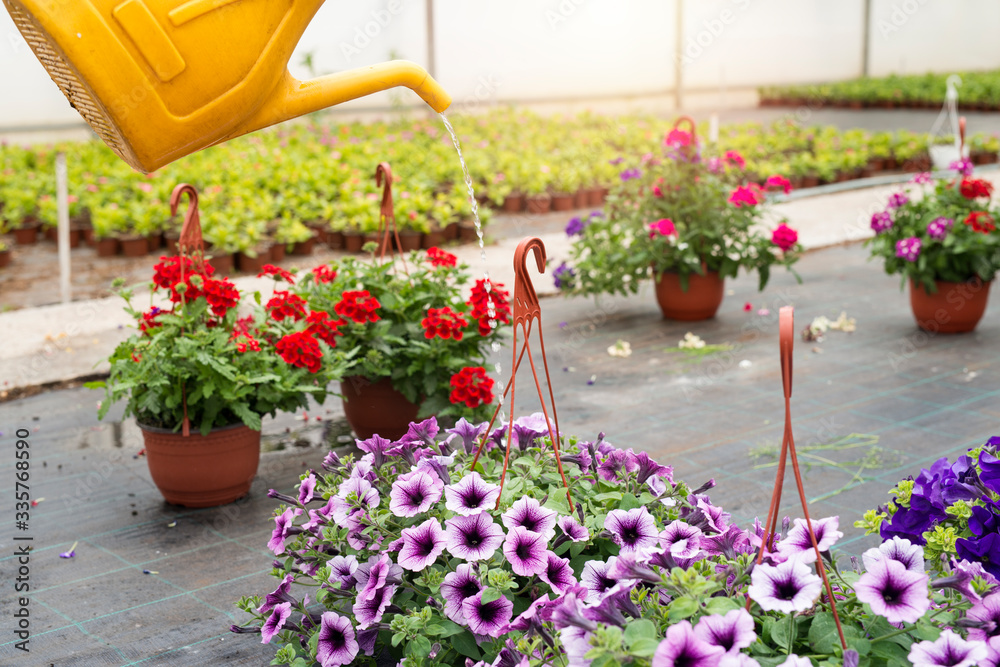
{"x":981,"y":222}
{"x":472,"y":387}
{"x":277,"y":272}
{"x":300,"y":349}
{"x":480,"y":305}
{"x":749,"y":195}
{"x":243,"y":337}
{"x":283,"y":305}
{"x":778,"y":183}
{"x":358,"y":306}
{"x":439,"y":257}
{"x":149,"y":319}
{"x":443,"y":322}
{"x":167,"y":275}
{"x":221,"y":296}
{"x":322,"y":327}
{"x":324,"y":274}
{"x":972,"y":188}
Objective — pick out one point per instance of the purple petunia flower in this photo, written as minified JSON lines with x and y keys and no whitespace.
{"x":796,"y":661}
{"x":457,"y":587}
{"x":908,"y":248}
{"x":881,"y":222}
{"x":647,"y":467}
{"x":471,"y":495}
{"x":962,"y":574}
{"x":798,"y":544}
{"x":963,"y":166}
{"x":898,"y":549}
{"x":529,"y":514}
{"x":275,"y":622}
{"x":629,"y":174}
{"x":377,"y":446}
{"x":714,"y":518}
{"x":567,"y":611}
{"x":576,"y":643}
{"x":948,"y":650}
{"x":563,"y":275}
{"x":422,"y":433}
{"x":683,"y":648}
{"x":69,"y":553}
{"x":922,"y":178}
{"x":898,"y":594}
{"x":990,"y":474}
{"x":473,"y":537}
{"x":595,"y":578}
{"x":616,"y":464}
{"x":897,"y":200}
{"x":787,"y":587}
{"x":369,"y":612}
{"x":729,"y":543}
{"x":533,"y":616}
{"x":572,"y":529}
{"x":731,"y":632}
{"x":938,"y":227}
{"x":319,"y":518}
{"x":575,"y":226}
{"x":742,"y":660}
{"x":342,"y":569}
{"x":557,"y":573}
{"x":487,"y":618}
{"x":632,"y":530}
{"x":468,"y":433}
{"x":629,"y":568}
{"x":421,"y":545}
{"x":414,"y":492}
{"x":377,"y":573}
{"x":681,"y":539}
{"x":280,"y":594}
{"x":526,"y":551}
{"x":987,"y":612}
{"x":336,"y":644}
{"x":283,"y":528}
{"x":306,"y":489}
{"x":353,"y":494}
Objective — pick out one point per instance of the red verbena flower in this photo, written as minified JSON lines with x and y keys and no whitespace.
{"x":981,"y":222}
{"x":149,"y":320}
{"x":971,"y":188}
{"x":322,"y":327}
{"x":443,"y":322}
{"x":300,"y":349}
{"x":277,"y":272}
{"x":283,"y":304}
{"x":358,"y":306}
{"x":167,"y":275}
{"x":221,"y":296}
{"x":472,"y":387}
{"x":479,"y":300}
{"x":324,"y":274}
{"x":439,"y":257}
{"x":243,"y":336}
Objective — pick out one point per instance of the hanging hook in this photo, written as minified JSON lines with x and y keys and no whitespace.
{"x":387,"y":214}
{"x":190,"y":239}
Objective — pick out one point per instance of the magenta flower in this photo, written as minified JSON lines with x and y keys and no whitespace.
{"x":683,"y":648}
{"x":881,"y":222}
{"x":414,"y":492}
{"x":457,"y":587}
{"x":369,"y":612}
{"x":275,"y":622}
{"x":422,"y":433}
{"x":898,"y":199}
{"x":632,"y":530}
{"x":529,"y":514}
{"x":948,"y":650}
{"x":572,"y":529}
{"x":557,"y":573}
{"x":908,"y":248}
{"x":898,"y":594}
{"x":533,"y":616}
{"x":681,"y":539}
{"x":798,"y":544}
{"x":280,"y":594}
{"x":568,"y":611}
{"x":731,"y":632}
{"x":922,"y":178}
{"x":377,"y":446}
{"x":377,"y":573}
{"x":471,"y":495}
{"x":986,"y":612}
{"x":784,"y":237}
{"x":595,"y":578}
{"x":615,"y":464}
{"x":421,"y":545}
{"x":306,"y":489}
{"x":662,"y":227}
{"x":735,"y":159}
{"x":342,"y":569}
{"x":336,"y":644}
{"x":468,"y":433}
{"x":899,"y":549}
{"x":283,"y":528}
{"x":646,"y":467}
{"x":963,"y":166}
{"x":787,"y":587}
{"x":487,"y":618}
{"x":778,"y":182}
{"x":526,"y":551}
{"x":746,"y":196}
{"x":473,"y":537}
{"x":938,"y":227}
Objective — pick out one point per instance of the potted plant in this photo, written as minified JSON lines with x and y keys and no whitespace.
{"x":5,"y":254}
{"x":19,"y":212}
{"x":691,"y":220}
{"x":109,"y":219}
{"x":421,"y":345}
{"x":205,"y":366}
{"x":945,"y":244}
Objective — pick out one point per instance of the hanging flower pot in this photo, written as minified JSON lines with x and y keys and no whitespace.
{"x":375,"y":407}
{"x":700,"y":301}
{"x":202,"y":470}
{"x":953,"y":308}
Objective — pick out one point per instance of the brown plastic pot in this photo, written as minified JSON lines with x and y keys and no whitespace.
{"x":277,"y":252}
{"x":562,"y":202}
{"x":50,"y":233}
{"x":106,"y":247}
{"x":335,"y":240}
{"x":353,"y":241}
{"x":467,"y":233}
{"x":133,"y":246}
{"x":248,"y":264}
{"x":701,"y":301}
{"x":594,"y":197}
{"x":513,"y":203}
{"x":87,"y":234}
{"x":581,"y":199}
{"x":409,"y":240}
{"x":4,"y":258}
{"x":375,"y":407}
{"x":26,"y":234}
{"x":154,"y":241}
{"x":202,"y":470}
{"x":810,"y":181}
{"x":222,"y":262}
{"x":539,"y":204}
{"x":433,"y":239}
{"x":451,"y":231}
{"x":304,"y":248}
{"x":954,"y":308}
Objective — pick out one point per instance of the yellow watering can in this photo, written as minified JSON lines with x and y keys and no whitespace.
{"x":159,"y":79}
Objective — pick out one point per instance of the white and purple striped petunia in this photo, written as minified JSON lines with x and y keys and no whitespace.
{"x":471,"y":495}
{"x":898,"y":594}
{"x":529,"y":514}
{"x":683,"y":648}
{"x":458,"y":586}
{"x":987,"y":612}
{"x":526,"y":551}
{"x":487,"y":618}
{"x":413,"y":493}
{"x":473,"y":537}
{"x":798,"y":543}
{"x":681,"y":539}
{"x":595,"y":578}
{"x":307,"y":488}
{"x":732,"y":632}
{"x":369,"y":611}
{"x":632,"y":530}
{"x":377,"y":573}
{"x":786,"y":587}
{"x":275,"y":622}
{"x":948,"y":650}
{"x":557,"y":573}
{"x":336,"y":643}
{"x":283,"y":528}
{"x":421,"y":545}
{"x":899,"y":549}
{"x":572,"y":529}
{"x":342,"y":569}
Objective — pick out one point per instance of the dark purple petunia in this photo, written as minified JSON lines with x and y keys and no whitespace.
{"x":366,"y":640}
{"x":647,"y":467}
{"x":911,"y":523}
{"x":421,"y":433}
{"x":629,"y":568}
{"x":413,"y":493}
{"x":567,"y":611}
{"x":892,"y":591}
{"x":275,"y":622}
{"x":987,"y":612}
{"x":280,"y":594}
{"x":533,"y":616}
{"x":377,"y":573}
{"x":715,"y":518}
{"x":336,"y":644}
{"x":526,"y":551}
{"x":575,"y":226}
{"x":458,"y":586}
{"x":557,"y":573}
{"x":984,"y":550}
{"x":798,"y":543}
{"x":487,"y":618}
{"x":786,"y":587}
{"x":990,"y":471}
{"x":307,"y":488}
{"x":729,"y":543}
{"x":732,"y":632}
{"x":563,"y":275}
{"x":283,"y":529}
{"x":948,"y":650}
{"x":632,"y":530}
{"x":616,"y":464}
{"x":421,"y":545}
{"x":985,"y":519}
{"x":473,"y":537}
{"x":529,"y":514}
{"x":582,"y":459}
{"x":965,"y":485}
{"x":471,"y":495}
{"x":377,"y":446}
{"x":369,"y":611}
{"x":898,"y":549}
{"x":342,"y":569}
{"x":683,"y":648}
{"x":468,"y":433}
{"x":319,"y":518}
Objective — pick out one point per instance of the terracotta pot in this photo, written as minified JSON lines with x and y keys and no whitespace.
{"x":467,"y":233}
{"x":580,"y":199}
{"x":223,"y":262}
{"x":170,"y":241}
{"x":277,"y":252}
{"x":202,"y":470}
{"x":539,"y":204}
{"x":434,"y":239}
{"x":26,"y":235}
{"x":4,"y":258}
{"x":248,"y":264}
{"x":106,"y":247}
{"x":50,"y":233}
{"x":88,"y":235}
{"x":133,"y":246}
{"x":375,"y":407}
{"x":810,"y":181}
{"x":451,"y":231}
{"x":854,"y":104}
{"x":562,"y":202}
{"x":335,"y":240}
{"x":513,"y":203}
{"x":954,"y":308}
{"x":353,"y":241}
{"x":154,"y":241}
{"x":700,"y":302}
{"x":321,"y":230}
{"x":409,"y":240}
{"x":891,"y":162}
{"x":304,"y":248}
{"x":593,"y":197}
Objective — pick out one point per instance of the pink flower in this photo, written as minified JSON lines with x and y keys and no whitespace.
{"x":657,"y":192}
{"x":663,"y":227}
{"x":750,"y":195}
{"x":747,"y":307}
{"x":735,"y":159}
{"x":778,"y":182}
{"x":784,"y":237}
{"x":677,"y":138}
{"x":908,"y":249}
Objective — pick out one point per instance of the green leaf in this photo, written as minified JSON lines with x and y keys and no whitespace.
{"x":466,"y":645}
{"x":721,"y":605}
{"x":610,"y":495}
{"x":682,"y":607}
{"x":418,"y":647}
{"x":629,"y":502}
{"x":640,"y":629}
{"x":644,"y":647}
{"x":491,"y":595}
{"x":823,"y":635}
{"x":557,"y":501}
{"x":449,"y":628}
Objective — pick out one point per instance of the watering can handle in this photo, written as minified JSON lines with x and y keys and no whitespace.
{"x":690,"y":121}
{"x":786,"y":327}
